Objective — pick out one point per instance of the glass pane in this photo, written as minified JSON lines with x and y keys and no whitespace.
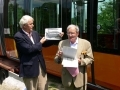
{"x":11,"y":5}
{"x":46,"y":14}
{"x":15,"y":12}
{"x":79,"y":16}
{"x":20,"y":10}
{"x":107,"y":15}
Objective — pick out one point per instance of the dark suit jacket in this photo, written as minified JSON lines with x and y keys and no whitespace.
{"x":30,"y":54}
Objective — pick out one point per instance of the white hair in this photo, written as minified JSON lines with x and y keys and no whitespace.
{"x":71,"y":26}
{"x":24,"y":20}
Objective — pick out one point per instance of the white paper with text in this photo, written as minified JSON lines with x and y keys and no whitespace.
{"x":53,"y":33}
{"x":69,"y":57}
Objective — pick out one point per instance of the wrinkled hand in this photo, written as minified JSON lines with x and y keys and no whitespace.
{"x":43,"y":40}
{"x":59,"y":54}
{"x":79,"y":61}
{"x":61,"y":34}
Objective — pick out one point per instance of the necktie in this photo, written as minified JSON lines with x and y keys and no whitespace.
{"x":73,"y":70}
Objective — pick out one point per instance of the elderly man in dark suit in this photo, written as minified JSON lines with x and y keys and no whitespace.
{"x":29,"y":46}
{"x":75,"y":82}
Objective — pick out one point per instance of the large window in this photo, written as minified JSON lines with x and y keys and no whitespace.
{"x":20,"y":10}
{"x":46,"y":14}
{"x":15,"y":12}
{"x":107,"y":24}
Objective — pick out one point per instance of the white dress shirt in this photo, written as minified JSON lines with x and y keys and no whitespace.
{"x":29,"y":35}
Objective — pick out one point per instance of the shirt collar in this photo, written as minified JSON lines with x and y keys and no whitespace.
{"x":76,"y":42}
{"x":28,"y":34}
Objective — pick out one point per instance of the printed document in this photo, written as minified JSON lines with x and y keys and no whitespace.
{"x":69,"y":59}
{"x":53,"y":33}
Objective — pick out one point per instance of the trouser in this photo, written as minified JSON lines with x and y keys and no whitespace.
{"x":72,"y":87}
{"x":37,"y":83}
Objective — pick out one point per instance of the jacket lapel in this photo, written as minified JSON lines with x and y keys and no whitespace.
{"x":26,"y":37}
{"x":34,"y":37}
{"x":79,"y":47}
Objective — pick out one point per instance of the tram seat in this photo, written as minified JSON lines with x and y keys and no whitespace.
{"x":11,"y":50}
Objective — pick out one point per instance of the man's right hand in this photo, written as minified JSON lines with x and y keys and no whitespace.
{"x":43,"y":40}
{"x":59,"y":54}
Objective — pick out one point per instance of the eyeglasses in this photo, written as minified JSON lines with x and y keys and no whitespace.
{"x":69,"y":33}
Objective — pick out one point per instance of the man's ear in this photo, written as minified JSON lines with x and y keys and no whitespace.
{"x":24,"y":26}
{"x":78,"y":33}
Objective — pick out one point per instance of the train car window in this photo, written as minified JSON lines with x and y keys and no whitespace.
{"x":11,"y":5}
{"x":9,"y":17}
{"x":20,"y":11}
{"x":46,"y":14}
{"x":107,"y":35}
{"x":12,"y":15}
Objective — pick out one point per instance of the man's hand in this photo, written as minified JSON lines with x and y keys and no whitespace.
{"x":79,"y":61}
{"x":61,"y":34}
{"x":43,"y":40}
{"x":59,"y":54}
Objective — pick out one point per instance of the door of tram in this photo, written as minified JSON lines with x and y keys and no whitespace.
{"x":82,"y":15}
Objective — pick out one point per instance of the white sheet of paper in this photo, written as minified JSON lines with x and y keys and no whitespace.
{"x":69,"y":63}
{"x":52,"y":33}
{"x":69,"y":52}
{"x":69,"y":59}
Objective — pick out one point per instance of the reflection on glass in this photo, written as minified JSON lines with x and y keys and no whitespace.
{"x":107,"y":15}
{"x":20,"y":9}
{"x":11,"y":17}
{"x":79,"y":15}
{"x":12,"y":8}
{"x":46,"y":14}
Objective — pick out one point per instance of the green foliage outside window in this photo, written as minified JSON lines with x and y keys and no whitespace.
{"x":106,"y":18}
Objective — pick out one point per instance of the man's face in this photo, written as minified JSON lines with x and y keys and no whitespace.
{"x":29,"y":26}
{"x":72,"y":34}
